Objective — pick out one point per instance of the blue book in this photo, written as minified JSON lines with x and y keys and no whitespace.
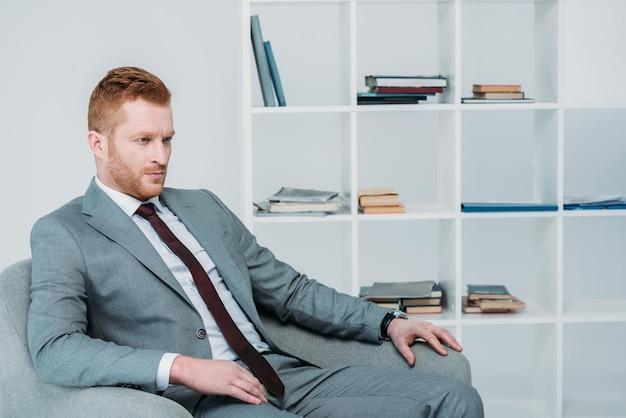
{"x":278,"y":85}
{"x":487,"y":291}
{"x":594,"y":202}
{"x":262,"y":65}
{"x":507,"y":207}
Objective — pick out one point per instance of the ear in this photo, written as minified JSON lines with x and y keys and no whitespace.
{"x":97,"y":143}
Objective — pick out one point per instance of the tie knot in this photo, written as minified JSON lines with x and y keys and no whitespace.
{"x":146,"y":210}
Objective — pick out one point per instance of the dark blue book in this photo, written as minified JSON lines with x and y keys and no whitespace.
{"x":382,"y":98}
{"x":278,"y":85}
{"x":421,"y":96}
{"x":487,"y":291}
{"x":507,"y":207}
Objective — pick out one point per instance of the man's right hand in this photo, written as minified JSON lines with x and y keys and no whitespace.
{"x":217,"y":377}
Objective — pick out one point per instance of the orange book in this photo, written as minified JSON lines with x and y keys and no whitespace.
{"x":382,"y":209}
{"x":378,"y":196}
{"x":497,"y":88}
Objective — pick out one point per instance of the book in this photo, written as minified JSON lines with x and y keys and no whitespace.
{"x":497,"y":95}
{"x":396,"y":90}
{"x":262,"y":64}
{"x":469,"y":306}
{"x":367,"y":99}
{"x":435,"y":309}
{"x":473,"y":100}
{"x":429,"y":304}
{"x":328,"y":206}
{"x":507,"y":207}
{"x":420,"y":301}
{"x":310,"y":202}
{"x":487,"y":291}
{"x":369,"y":94}
{"x":378,"y":196}
{"x":434,"y":298}
{"x":278,"y":85}
{"x":511,"y":303}
{"x":436,"y":291}
{"x":394,"y":291}
{"x":405,"y":81}
{"x":509,"y":88}
{"x":369,"y":210}
{"x":292,"y":194}
{"x":591,"y":202}
{"x":263,"y":209}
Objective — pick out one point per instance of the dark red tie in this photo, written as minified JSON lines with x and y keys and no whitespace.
{"x":232,"y":334}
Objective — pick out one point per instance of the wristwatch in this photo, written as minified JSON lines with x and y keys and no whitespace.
{"x":391,"y":315}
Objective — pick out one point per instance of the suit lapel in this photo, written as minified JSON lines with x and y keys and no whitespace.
{"x":204,"y":226}
{"x":106,"y":217}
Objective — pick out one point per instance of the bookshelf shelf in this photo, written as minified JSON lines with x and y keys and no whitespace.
{"x":442,"y":152}
{"x":533,"y":314}
{"x":595,"y":310}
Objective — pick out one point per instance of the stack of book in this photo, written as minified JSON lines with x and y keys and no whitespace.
{"x":430,"y":304}
{"x":379,"y":200}
{"x":400,"y":89}
{"x":497,"y":93}
{"x":412,"y":297}
{"x":293,"y":201}
{"x":592,"y":202}
{"x":490,"y":299}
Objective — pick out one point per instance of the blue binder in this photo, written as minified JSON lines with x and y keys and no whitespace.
{"x":507,"y":207}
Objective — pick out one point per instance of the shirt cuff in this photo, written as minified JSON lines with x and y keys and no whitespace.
{"x":163,"y":372}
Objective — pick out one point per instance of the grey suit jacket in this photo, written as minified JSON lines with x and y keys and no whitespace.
{"x":105,"y":307}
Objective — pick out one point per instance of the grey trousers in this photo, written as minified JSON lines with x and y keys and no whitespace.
{"x":353,"y":392}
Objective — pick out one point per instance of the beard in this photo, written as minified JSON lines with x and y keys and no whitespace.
{"x":134,"y":182}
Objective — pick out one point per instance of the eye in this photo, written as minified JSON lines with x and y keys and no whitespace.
{"x":143,"y":140}
{"x":167,"y":139}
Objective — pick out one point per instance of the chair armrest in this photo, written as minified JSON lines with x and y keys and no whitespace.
{"x":102,"y":402}
{"x":22,"y":394}
{"x":329,"y":351}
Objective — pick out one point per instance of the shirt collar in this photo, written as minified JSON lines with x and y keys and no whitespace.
{"x":127,"y":203}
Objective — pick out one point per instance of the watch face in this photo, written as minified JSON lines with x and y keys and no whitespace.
{"x":398,"y":314}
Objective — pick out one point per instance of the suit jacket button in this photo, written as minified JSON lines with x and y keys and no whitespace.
{"x":201,"y":333}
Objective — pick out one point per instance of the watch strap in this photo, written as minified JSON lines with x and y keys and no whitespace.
{"x":390,"y":316}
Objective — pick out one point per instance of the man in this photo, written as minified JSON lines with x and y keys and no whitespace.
{"x":116,"y":301}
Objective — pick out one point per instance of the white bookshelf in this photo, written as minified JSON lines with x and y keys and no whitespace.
{"x":562,"y":356}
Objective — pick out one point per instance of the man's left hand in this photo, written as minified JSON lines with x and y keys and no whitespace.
{"x":404,"y":332}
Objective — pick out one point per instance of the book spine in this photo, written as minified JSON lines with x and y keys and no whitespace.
{"x":262,"y":65}
{"x":278,"y":85}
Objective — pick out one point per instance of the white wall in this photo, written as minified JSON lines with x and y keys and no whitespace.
{"x":52,"y":53}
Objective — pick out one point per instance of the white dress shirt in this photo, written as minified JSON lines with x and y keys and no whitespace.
{"x":219,"y":347}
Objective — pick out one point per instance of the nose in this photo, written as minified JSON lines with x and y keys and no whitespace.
{"x":161,"y":152}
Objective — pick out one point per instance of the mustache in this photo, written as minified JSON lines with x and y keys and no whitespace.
{"x":159,"y":168}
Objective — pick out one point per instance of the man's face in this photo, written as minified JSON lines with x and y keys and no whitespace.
{"x":134,"y":159}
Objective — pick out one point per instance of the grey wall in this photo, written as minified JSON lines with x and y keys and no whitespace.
{"x":52,"y":53}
